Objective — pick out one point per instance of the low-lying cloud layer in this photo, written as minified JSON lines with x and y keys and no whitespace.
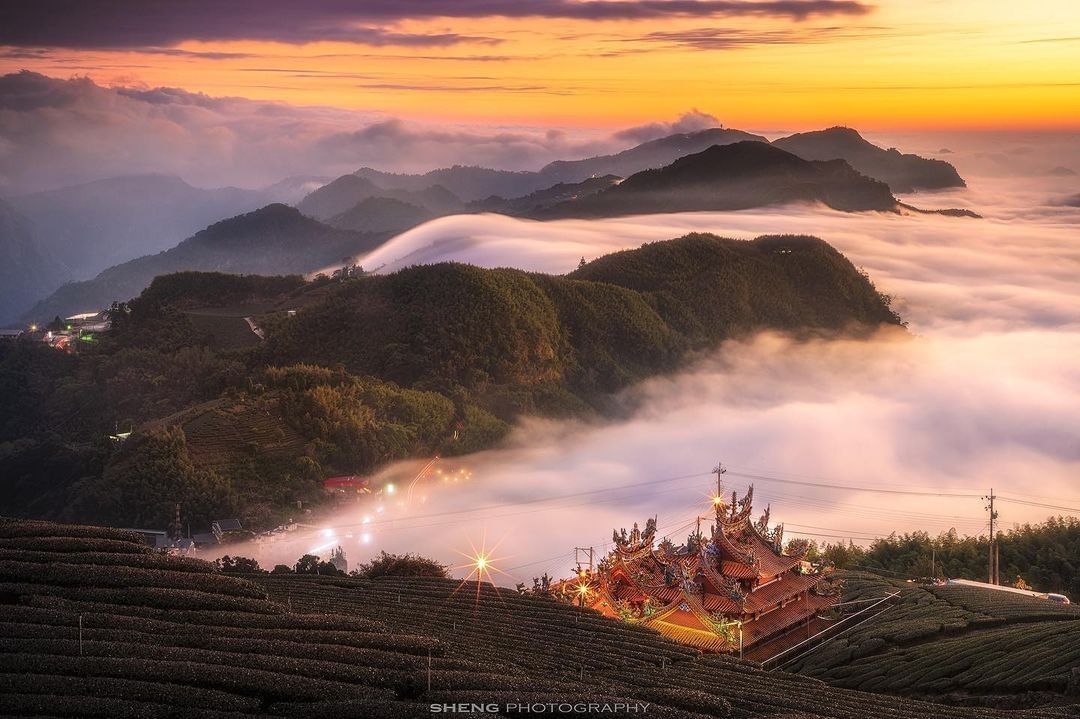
{"x":982,"y":392}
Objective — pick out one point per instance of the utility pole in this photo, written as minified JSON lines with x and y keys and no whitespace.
{"x":580,"y":553}
{"x":991,"y":560}
{"x":720,"y":470}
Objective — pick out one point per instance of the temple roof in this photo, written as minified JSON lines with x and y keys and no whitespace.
{"x":736,"y":569}
{"x":787,"y":586}
{"x":693,"y":592}
{"x":769,"y":563}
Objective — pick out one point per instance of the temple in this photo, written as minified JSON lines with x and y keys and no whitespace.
{"x":731,"y":591}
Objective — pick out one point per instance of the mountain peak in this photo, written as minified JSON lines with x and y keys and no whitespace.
{"x":902,"y":172}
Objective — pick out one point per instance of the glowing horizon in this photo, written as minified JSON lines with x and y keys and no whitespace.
{"x":794,"y":65}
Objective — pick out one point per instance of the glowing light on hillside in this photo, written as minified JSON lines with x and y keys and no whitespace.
{"x":481,"y":566}
{"x":390,"y":489}
{"x":365,"y":538}
{"x":328,"y":532}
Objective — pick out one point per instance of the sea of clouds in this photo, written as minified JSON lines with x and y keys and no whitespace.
{"x":981,"y":391}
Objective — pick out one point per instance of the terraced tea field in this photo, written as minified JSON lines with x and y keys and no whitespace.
{"x":955,"y":644}
{"x":228,"y":434}
{"x":93,"y":624}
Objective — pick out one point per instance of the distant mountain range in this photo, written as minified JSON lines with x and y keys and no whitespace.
{"x":734,"y":177}
{"x":274,"y":240}
{"x":475,"y":184}
{"x":92,"y":226}
{"x":655,"y":153}
{"x":25,"y":267}
{"x":902,"y":172}
{"x":344,"y":193}
{"x":73,"y":232}
{"x":541,"y":201}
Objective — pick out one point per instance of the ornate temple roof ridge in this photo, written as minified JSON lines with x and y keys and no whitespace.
{"x":695,"y":591}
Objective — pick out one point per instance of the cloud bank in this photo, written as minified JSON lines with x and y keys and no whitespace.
{"x":981,"y":392}
{"x":56,"y":132}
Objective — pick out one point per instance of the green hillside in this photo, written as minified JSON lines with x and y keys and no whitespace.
{"x":96,"y":625}
{"x":615,"y":320}
{"x":953,"y":644}
{"x":357,"y":371}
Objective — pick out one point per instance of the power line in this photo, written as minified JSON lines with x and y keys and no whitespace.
{"x":568,"y":555}
{"x":851,"y":488}
{"x":1038,"y":504}
{"x":816,"y":478}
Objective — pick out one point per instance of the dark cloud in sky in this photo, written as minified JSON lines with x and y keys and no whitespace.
{"x":727,"y":38}
{"x":164,"y":23}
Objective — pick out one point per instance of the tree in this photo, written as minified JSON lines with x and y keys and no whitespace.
{"x":310,"y":564}
{"x":582,"y":263}
{"x":401,"y":565}
{"x":239,"y":565}
{"x":281,"y":569}
{"x":307,"y":564}
{"x":150,"y":474}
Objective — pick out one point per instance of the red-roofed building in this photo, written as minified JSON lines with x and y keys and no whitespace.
{"x":733,"y":590}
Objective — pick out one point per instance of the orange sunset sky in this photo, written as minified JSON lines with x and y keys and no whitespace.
{"x":889,"y":64}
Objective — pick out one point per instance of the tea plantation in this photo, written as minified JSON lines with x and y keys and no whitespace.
{"x":957,"y":644}
{"x":94,"y":624}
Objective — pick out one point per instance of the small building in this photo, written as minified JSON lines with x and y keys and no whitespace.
{"x":205,"y":539}
{"x":220,"y":527}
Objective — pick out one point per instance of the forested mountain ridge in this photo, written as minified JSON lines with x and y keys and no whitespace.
{"x":436,"y":358}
